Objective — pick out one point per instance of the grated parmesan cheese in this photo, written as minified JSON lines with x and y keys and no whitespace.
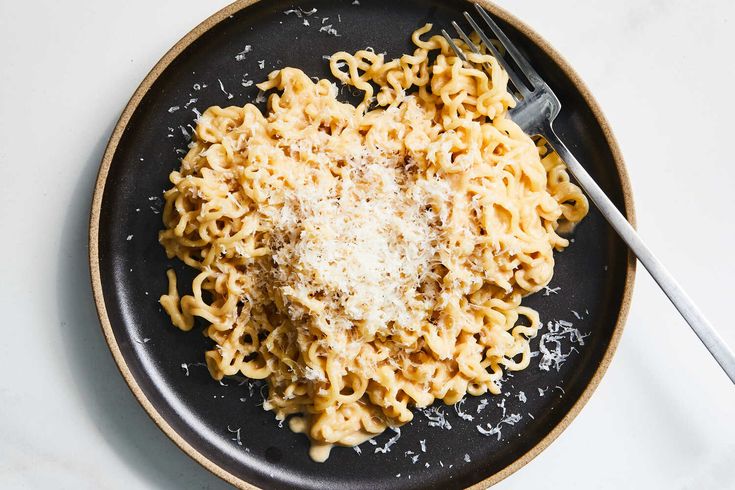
{"x":391,"y":441}
{"x":362,"y":249}
{"x":436,"y":417}
{"x":330,"y":30}
{"x":222,"y":88}
{"x":550,"y":345}
{"x":462,"y":414}
{"x":241,"y":55}
{"x":237,"y":435}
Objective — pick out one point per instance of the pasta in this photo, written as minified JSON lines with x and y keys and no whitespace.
{"x":371,"y":259}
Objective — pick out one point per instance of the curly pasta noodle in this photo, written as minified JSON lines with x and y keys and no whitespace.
{"x":366,"y":260}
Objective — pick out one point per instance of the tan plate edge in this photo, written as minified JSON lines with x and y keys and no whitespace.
{"x":132,"y":105}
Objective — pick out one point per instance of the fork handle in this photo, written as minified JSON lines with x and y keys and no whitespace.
{"x":694,"y":317}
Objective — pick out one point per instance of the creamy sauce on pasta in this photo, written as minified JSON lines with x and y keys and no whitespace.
{"x":367,"y":260}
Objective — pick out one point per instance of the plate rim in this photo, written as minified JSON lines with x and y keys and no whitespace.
{"x":96,"y":206}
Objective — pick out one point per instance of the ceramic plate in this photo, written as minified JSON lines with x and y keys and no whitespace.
{"x":589,"y":293}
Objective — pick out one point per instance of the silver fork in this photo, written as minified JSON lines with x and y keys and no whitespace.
{"x":536,"y":109}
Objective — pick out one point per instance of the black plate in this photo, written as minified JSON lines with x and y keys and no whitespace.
{"x":128,"y":264}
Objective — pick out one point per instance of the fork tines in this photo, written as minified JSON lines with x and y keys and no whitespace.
{"x":534,"y":80}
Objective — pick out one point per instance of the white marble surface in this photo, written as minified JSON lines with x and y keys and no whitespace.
{"x":663,"y":417}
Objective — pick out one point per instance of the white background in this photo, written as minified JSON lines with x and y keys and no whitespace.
{"x":664,"y":415}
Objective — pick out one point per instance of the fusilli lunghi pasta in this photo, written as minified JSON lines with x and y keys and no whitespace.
{"x":366,"y":260}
